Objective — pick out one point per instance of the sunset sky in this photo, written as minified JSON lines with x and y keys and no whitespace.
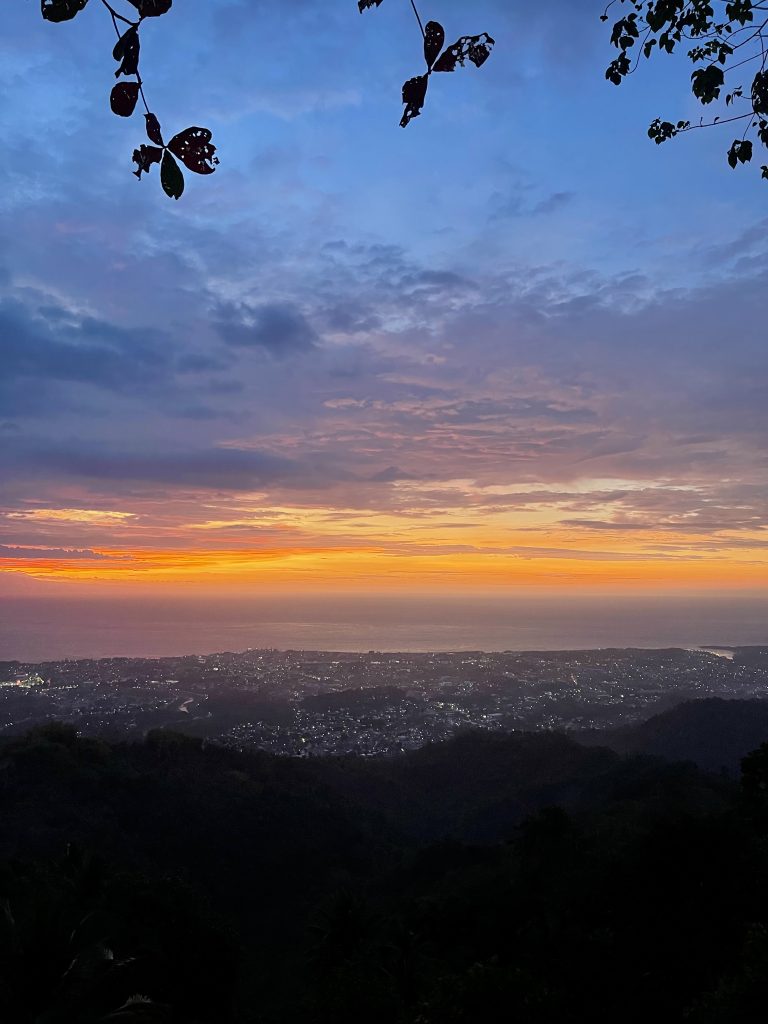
{"x":516,"y":345}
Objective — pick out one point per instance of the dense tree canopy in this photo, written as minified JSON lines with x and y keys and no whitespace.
{"x":494,"y":878}
{"x":726,"y":43}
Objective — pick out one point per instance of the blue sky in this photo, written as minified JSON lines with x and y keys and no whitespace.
{"x":518,"y":325}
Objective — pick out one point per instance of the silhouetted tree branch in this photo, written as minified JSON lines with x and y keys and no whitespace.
{"x":476,"y":49}
{"x":725,"y":37}
{"x":193,"y":147}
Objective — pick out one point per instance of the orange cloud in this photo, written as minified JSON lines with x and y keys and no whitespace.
{"x":376,"y":568}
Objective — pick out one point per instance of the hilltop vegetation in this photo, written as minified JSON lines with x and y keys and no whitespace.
{"x":714,"y":733}
{"x":491,"y":878}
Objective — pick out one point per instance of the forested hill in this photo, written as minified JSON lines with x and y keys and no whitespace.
{"x":492,"y":878}
{"x":716,"y":734}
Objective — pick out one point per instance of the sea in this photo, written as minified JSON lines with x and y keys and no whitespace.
{"x":49,"y":629}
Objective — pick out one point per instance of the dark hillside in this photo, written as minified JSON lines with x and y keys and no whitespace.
{"x":715,"y":734}
{"x":491,"y":878}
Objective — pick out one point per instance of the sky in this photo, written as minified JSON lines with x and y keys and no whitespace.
{"x":513,"y":347}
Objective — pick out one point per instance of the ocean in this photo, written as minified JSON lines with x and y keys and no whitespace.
{"x":41,"y":629}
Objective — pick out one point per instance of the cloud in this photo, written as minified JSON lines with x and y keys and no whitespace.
{"x":391,"y":475}
{"x":39,"y":554}
{"x":522,"y":201}
{"x":224,"y":468}
{"x":350,"y":317}
{"x":440,"y":281}
{"x":42,"y":345}
{"x":552,"y":203}
{"x":279,"y":328}
{"x":98,"y":517}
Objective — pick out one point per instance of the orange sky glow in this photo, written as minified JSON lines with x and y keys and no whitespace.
{"x":213,"y":544}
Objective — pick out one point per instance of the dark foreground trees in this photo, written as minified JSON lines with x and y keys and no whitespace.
{"x":493,"y":878}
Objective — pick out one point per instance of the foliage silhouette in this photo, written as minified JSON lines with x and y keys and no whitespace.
{"x":193,"y":146}
{"x":725,"y":36}
{"x":476,"y":49}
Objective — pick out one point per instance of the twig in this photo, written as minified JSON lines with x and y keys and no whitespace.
{"x":418,"y":18}
{"x":115,"y":17}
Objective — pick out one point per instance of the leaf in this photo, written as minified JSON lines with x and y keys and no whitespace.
{"x":144,"y":157}
{"x":707,"y":82}
{"x":171,"y":177}
{"x":152,"y":8}
{"x":476,"y":49}
{"x":760,"y":93}
{"x":127,"y":49}
{"x":61,"y":10}
{"x":617,"y":69}
{"x":193,"y":147}
{"x":740,"y":152}
{"x":154,"y":132}
{"x":648,"y":47}
{"x":625,"y":32}
{"x":661,"y":131}
{"x":414,"y":95}
{"x":434,"y":41}
{"x":740,"y":10}
{"x":123,"y":98}
{"x":363,"y":5}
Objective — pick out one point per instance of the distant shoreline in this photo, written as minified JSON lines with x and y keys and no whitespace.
{"x":720,"y":650}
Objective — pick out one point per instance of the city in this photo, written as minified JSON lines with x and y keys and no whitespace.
{"x":323,"y":703}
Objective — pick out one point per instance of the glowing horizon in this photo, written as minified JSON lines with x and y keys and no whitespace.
{"x":364,"y":548}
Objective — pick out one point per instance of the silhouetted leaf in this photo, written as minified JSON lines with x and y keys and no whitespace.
{"x":171,"y":177}
{"x":61,"y":10}
{"x":617,"y":69}
{"x":707,"y":82}
{"x":152,"y":8}
{"x":414,"y":95}
{"x":760,"y":93}
{"x":126,"y":51}
{"x":154,"y":132}
{"x":144,"y":157}
{"x":365,"y":4}
{"x":193,"y":147}
{"x":740,"y":152}
{"x":476,"y":49}
{"x":661,"y":131}
{"x":434,"y":40}
{"x":123,"y":98}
